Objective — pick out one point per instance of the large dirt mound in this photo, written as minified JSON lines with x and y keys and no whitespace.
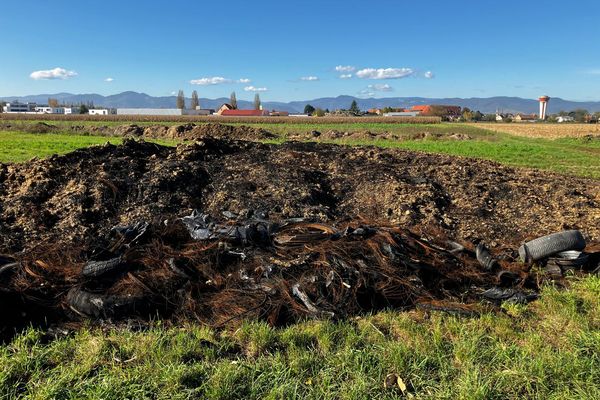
{"x":334,"y":134}
{"x":196,"y":132}
{"x":221,"y":230}
{"x":76,"y":197}
{"x":184,"y":132}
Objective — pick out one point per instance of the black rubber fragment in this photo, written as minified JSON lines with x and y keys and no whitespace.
{"x":94,"y":269}
{"x":10,"y":267}
{"x":96,"y":305}
{"x":485,"y":257}
{"x":508,"y":278}
{"x":499,"y":295}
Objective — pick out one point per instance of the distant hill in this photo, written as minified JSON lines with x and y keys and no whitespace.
{"x":485,"y":105}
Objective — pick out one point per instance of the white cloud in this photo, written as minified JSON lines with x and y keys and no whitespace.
{"x":381,"y":87}
{"x":385,"y":73}
{"x":345,"y":76}
{"x":255,"y":89}
{"x":429,"y":75}
{"x":173,"y":93}
{"x":109,"y":79}
{"x":215,"y":80}
{"x":56,"y":73}
{"x":345,"y":68}
{"x":366,"y":93}
{"x":244,"y":80}
{"x":309,"y":78}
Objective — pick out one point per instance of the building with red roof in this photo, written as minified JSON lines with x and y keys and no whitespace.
{"x":245,"y":113}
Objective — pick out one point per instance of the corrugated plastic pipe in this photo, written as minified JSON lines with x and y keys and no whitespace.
{"x":551,"y":244}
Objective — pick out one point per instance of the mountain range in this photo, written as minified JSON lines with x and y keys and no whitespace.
{"x":485,"y":105}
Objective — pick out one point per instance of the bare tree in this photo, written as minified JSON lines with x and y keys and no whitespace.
{"x":257,"y":103}
{"x":233,"y":101}
{"x":181,"y":100}
{"x":195,"y":101}
{"x":52,"y":102}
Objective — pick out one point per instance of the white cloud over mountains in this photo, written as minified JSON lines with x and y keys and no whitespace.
{"x":255,"y":89}
{"x":49,"y":74}
{"x":348,"y":71}
{"x":215,"y":80}
{"x":385,"y":73}
{"x":381,"y":87}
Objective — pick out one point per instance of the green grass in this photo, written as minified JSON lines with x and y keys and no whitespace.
{"x":549,"y":349}
{"x":281,"y":129}
{"x":566,"y":156}
{"x":19,"y":147}
{"x":394,"y":128}
{"x":577,"y":157}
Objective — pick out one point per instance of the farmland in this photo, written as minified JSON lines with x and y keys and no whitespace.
{"x":217,"y":119}
{"x":546,"y":131}
{"x":233,"y":330}
{"x":571,"y":154}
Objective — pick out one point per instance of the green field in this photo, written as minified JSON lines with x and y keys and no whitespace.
{"x":566,"y":156}
{"x":20,"y":147}
{"x":549,"y":349}
{"x":571,"y":156}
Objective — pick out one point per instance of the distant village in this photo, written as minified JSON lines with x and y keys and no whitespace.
{"x":450,"y":113}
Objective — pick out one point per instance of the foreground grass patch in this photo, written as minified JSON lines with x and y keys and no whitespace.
{"x":19,"y":147}
{"x":547,"y":350}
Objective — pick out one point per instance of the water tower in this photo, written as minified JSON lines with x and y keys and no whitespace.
{"x":543,"y":106}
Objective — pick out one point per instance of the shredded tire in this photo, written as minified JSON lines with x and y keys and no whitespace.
{"x":485,"y":257}
{"x":94,"y":269}
{"x":545,"y":246}
{"x":93,"y":305}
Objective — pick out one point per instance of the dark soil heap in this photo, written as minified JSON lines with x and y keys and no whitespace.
{"x":79,"y":196}
{"x":196,"y":132}
{"x":282,"y":232}
{"x":184,"y":132}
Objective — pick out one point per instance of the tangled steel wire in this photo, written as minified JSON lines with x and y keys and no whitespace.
{"x":219,"y":274}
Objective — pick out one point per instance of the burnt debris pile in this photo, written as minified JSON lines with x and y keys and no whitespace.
{"x":219,"y":273}
{"x":282,"y":233}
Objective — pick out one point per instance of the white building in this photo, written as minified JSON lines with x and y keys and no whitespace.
{"x":565,"y":118}
{"x":162,"y":111}
{"x":17,"y":107}
{"x":402,"y":114}
{"x":72,"y":110}
{"x":102,"y":111}
{"x":49,"y":110}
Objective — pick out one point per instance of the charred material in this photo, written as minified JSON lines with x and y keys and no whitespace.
{"x":282,"y":233}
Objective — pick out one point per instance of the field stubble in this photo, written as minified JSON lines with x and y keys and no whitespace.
{"x":545,"y":131}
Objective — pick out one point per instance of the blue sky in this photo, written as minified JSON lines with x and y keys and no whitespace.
{"x":394,"y":48}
